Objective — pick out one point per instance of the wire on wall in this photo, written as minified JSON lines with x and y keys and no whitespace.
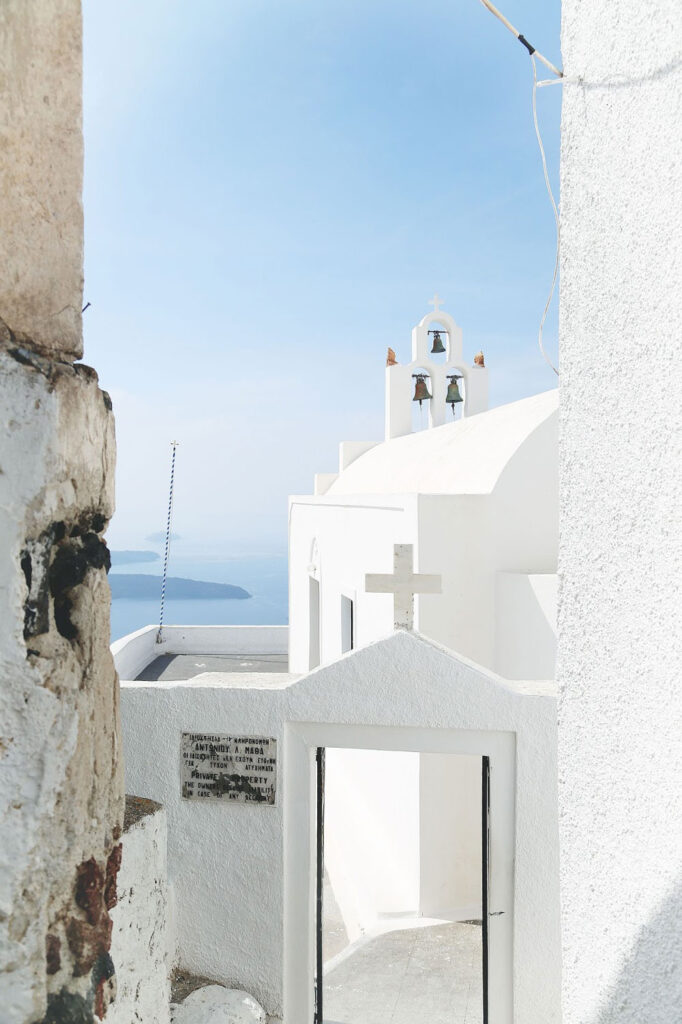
{"x":559,"y":77}
{"x":522,"y":39}
{"x":556,"y":218}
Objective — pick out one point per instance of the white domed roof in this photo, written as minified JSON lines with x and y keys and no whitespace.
{"x":466,"y":457}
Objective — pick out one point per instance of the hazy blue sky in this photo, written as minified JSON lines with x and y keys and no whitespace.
{"x":274,"y":189}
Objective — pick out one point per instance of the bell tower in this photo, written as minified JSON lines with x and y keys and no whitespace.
{"x":438,"y":377}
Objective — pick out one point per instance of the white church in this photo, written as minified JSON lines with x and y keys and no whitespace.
{"x":356,"y":819}
{"x":359,"y":812}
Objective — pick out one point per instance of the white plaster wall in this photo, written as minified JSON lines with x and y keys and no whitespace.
{"x":525,"y":619}
{"x":505,"y":519}
{"x":466,"y":457}
{"x":450,"y":836}
{"x":418,"y":683}
{"x":372,"y":846}
{"x":620,"y":563}
{"x":457,"y":541}
{"x":467,"y":539}
{"x":350,"y":539}
{"x":227,"y":862}
{"x":142,"y":940}
{"x":349,"y":451}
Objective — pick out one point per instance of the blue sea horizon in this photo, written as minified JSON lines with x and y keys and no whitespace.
{"x":265,"y":577}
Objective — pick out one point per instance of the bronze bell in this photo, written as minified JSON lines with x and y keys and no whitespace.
{"x":438,"y":346}
{"x":421,"y":390}
{"x":453,"y":396}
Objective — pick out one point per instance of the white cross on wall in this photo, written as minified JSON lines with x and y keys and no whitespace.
{"x":403,"y":583}
{"x":435,"y":302}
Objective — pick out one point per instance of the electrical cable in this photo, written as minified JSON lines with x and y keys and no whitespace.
{"x":560,"y":78}
{"x":522,"y":39}
{"x":556,"y":218}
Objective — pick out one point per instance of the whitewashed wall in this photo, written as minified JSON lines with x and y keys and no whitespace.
{"x":349,"y":538}
{"x":450,"y":837}
{"x":224,"y":860}
{"x":505,"y":520}
{"x":232,"y":875}
{"x":525,"y":625}
{"x":621,"y":494}
{"x":142,"y":944}
{"x":372,"y":843}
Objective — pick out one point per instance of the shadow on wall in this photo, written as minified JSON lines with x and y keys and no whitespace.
{"x":650,"y":985}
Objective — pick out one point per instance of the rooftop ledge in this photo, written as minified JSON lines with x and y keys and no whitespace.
{"x":188,"y":651}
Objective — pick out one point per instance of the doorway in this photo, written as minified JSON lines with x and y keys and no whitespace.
{"x":401,"y":887}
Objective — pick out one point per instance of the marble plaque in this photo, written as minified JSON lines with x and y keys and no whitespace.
{"x":240,"y":769}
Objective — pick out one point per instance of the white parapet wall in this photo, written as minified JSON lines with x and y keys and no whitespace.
{"x":132,"y":653}
{"x":142,"y":942}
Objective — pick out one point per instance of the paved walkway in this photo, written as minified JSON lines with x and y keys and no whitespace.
{"x":428,"y":975}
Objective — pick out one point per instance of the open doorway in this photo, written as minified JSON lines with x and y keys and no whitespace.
{"x":402,"y":887}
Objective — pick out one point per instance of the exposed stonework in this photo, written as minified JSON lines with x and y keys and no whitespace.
{"x":61,"y":802}
{"x":41,"y":242}
{"x":61,"y":780}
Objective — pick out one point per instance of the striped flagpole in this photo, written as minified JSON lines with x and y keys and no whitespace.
{"x":174,"y":445}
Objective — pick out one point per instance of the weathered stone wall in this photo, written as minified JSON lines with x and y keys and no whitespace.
{"x":60,"y":771}
{"x":620,"y":563}
{"x":41,"y":173}
{"x":142,"y":945}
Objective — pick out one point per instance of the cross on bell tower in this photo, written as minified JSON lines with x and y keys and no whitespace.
{"x":403,"y":583}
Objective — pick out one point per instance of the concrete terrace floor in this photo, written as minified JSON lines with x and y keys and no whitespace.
{"x":427,"y":975}
{"x":176,"y":667}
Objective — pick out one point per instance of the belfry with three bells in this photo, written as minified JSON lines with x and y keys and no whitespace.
{"x":440,"y":382}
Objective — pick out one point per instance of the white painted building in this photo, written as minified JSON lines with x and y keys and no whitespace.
{"x":232,"y":893}
{"x":462,"y":514}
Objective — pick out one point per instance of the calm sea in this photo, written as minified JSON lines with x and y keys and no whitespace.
{"x":265,"y":577}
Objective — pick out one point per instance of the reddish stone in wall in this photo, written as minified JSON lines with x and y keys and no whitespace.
{"x":53,"y":953}
{"x":89,"y":889}
{"x":113,"y":867}
{"x":91,"y":938}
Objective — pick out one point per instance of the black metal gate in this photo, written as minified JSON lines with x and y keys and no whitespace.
{"x":485,"y":876}
{"x":319,"y":978}
{"x":485,"y":880}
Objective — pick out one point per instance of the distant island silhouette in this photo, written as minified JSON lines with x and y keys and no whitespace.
{"x":131,"y":557}
{"x":142,"y":587}
{"x":160,"y":536}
